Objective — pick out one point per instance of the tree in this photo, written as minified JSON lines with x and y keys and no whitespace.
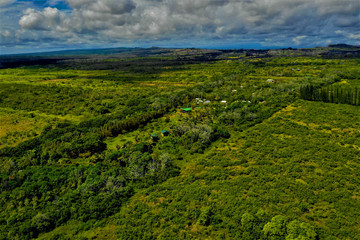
{"x":165,"y":160}
{"x":248,"y":221}
{"x":276,"y":228}
{"x":41,"y":222}
{"x":300,"y":231}
{"x":205,"y":216}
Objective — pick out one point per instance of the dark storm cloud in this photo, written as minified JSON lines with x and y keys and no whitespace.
{"x":270,"y":23}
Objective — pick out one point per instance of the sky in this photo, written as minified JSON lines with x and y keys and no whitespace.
{"x":51,"y":25}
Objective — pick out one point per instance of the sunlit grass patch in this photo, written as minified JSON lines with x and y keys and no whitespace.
{"x":18,"y":126}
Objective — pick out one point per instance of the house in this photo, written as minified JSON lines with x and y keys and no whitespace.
{"x":223,"y":101}
{"x":185,"y":110}
{"x":198,"y":100}
{"x":165,"y":133}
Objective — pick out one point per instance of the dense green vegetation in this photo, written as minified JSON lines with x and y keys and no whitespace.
{"x":264,"y":153}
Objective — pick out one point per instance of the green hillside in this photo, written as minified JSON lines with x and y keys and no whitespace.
{"x":182,"y":144}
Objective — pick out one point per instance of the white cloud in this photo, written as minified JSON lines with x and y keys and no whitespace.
{"x":54,"y":2}
{"x":48,"y":19}
{"x":354,"y":36}
{"x":270,"y":22}
{"x":297,"y":40}
{"x":6,"y":33}
{"x":6,"y":2}
{"x":103,"y":6}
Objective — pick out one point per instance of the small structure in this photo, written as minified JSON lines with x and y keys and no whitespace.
{"x":234,"y":90}
{"x":223,"y":101}
{"x":185,"y":110}
{"x":207,"y":101}
{"x":270,"y":80}
{"x":154,"y":137}
{"x":165,"y":133}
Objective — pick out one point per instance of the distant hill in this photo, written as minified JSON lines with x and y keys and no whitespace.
{"x":74,"y":52}
{"x":111,"y":51}
{"x":343,"y":45}
{"x":96,"y":58}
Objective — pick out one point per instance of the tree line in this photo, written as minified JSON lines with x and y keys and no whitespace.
{"x":331,"y":94}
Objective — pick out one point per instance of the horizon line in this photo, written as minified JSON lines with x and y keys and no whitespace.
{"x":210,"y":48}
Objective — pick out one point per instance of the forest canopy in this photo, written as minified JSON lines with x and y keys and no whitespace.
{"x":181,"y":144}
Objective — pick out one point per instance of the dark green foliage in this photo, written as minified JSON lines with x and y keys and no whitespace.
{"x":332,"y":94}
{"x":205,"y":216}
{"x":253,"y":162}
{"x":50,"y":196}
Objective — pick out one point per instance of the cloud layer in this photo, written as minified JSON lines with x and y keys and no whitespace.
{"x":266,"y":22}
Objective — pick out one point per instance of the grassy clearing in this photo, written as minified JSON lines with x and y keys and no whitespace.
{"x":82,"y":231}
{"x":18,"y":126}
